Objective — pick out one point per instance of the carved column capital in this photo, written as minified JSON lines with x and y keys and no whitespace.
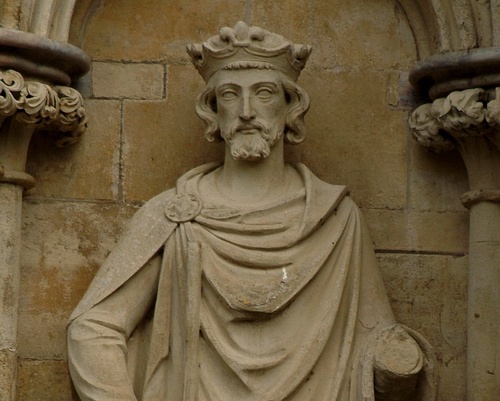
{"x":469,"y":120}
{"x":36,"y":68}
{"x":465,"y":114}
{"x":34,"y":103}
{"x":470,"y":112}
{"x":27,"y":106}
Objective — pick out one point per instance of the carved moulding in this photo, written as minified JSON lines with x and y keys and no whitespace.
{"x":35,"y":72}
{"x":38,"y":106}
{"x":462,"y":113}
{"x":469,"y":120}
{"x":43,"y":106}
{"x":446,"y":123}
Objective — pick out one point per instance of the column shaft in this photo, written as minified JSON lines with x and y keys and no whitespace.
{"x":483,"y":341}
{"x":10,"y":248}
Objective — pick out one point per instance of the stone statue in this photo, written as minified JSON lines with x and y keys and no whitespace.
{"x":252,"y":280}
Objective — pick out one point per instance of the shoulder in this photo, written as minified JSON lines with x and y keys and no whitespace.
{"x":154,"y":207}
{"x":146,"y":233}
{"x":320,"y":191}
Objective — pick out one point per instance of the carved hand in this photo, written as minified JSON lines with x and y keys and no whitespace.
{"x":398,"y":362}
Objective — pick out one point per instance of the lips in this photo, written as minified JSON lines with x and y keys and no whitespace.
{"x":248,"y":129}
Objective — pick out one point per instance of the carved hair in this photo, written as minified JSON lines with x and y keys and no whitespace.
{"x":296,"y":97}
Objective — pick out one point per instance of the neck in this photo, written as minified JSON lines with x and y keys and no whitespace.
{"x":250,"y":181}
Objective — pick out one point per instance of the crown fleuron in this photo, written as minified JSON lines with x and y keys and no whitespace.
{"x":249,"y":46}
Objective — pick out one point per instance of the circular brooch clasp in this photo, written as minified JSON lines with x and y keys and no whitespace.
{"x":183,"y":207}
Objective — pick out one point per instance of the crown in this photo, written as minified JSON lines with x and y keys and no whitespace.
{"x":248,"y":46}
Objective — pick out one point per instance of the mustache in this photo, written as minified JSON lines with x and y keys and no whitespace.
{"x":263,"y":127}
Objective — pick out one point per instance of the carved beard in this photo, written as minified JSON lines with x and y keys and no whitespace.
{"x":252,"y":146}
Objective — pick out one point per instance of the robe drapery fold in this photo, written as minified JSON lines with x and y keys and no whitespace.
{"x":273,"y":303}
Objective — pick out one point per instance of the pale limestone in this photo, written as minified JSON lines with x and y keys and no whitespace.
{"x":67,"y":172}
{"x":10,"y":242}
{"x":8,"y":374}
{"x":153,"y":30}
{"x":128,"y":81}
{"x":157,"y":147}
{"x":429,"y":292}
{"x":168,"y":260}
{"x":471,"y":119}
{"x":438,"y":186}
{"x":46,"y":19}
{"x":44,"y":381}
{"x":64,"y":244}
{"x":347,"y":121}
{"x":419,"y":231}
{"x":467,"y":25}
{"x":342,"y":30}
{"x":437,"y":181}
{"x":35,"y":74}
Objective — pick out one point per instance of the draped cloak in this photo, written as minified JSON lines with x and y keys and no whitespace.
{"x":281,"y":302}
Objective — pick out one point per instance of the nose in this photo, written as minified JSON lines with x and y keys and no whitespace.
{"x":246,"y":110}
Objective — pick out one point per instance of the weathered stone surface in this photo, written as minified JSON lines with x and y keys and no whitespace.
{"x":350,"y":129}
{"x":155,"y":30}
{"x":428,"y":294}
{"x":258,"y":266}
{"x":418,"y":231}
{"x":345,"y":34}
{"x":436,"y":180}
{"x":7,"y":375}
{"x":348,"y":143}
{"x":467,"y":119}
{"x":63,"y":245}
{"x":10,"y":240}
{"x":128,"y":81}
{"x":90,"y":168}
{"x":10,"y":248}
{"x":164,"y":139}
{"x":44,"y":381}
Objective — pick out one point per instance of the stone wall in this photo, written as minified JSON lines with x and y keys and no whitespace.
{"x":143,"y":134}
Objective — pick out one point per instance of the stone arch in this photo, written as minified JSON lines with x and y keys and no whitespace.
{"x":442,"y":26}
{"x":439,"y":26}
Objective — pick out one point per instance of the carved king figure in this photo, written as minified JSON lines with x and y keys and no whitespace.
{"x":248,"y":281}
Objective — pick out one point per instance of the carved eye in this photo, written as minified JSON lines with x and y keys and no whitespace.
{"x":264,"y":93}
{"x":228,"y":94}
